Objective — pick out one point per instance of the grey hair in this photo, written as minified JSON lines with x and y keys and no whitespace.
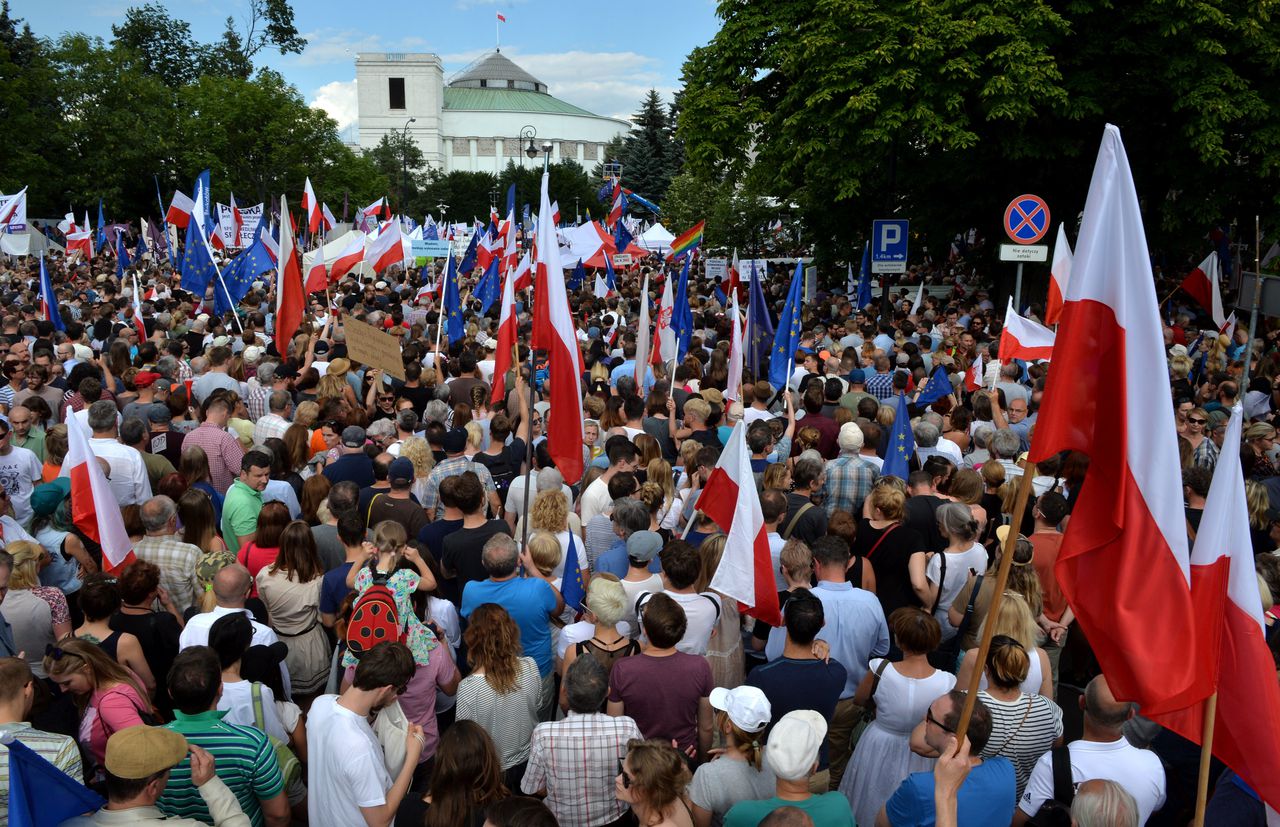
{"x":437,"y":410}
{"x":102,"y":416}
{"x":266,"y":373}
{"x":132,"y":431}
{"x":926,"y":434}
{"x":955,"y":519}
{"x":933,"y":418}
{"x":630,"y":515}
{"x":380,"y":428}
{"x":157,"y":512}
{"x":167,"y":366}
{"x":407,"y":420}
{"x":586,"y":684}
{"x":1010,"y":370}
{"x":499,"y":555}
{"x":1098,"y":803}
{"x":1005,"y":444}
{"x":279,"y":401}
{"x":982,"y":434}
{"x":442,"y":393}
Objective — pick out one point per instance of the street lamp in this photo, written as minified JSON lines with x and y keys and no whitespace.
{"x":527,"y":134}
{"x":404,"y":160}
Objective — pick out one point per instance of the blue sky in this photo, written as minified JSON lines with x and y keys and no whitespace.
{"x":603,"y":61}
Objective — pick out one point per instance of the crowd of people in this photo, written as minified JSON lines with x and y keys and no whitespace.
{"x":346,"y":603}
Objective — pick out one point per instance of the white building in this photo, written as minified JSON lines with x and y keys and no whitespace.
{"x":474,"y":122}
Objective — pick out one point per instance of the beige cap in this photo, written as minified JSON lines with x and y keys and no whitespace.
{"x":142,"y":751}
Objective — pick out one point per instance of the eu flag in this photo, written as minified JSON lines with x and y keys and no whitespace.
{"x":487,"y":289}
{"x":452,"y":303}
{"x":902,"y":443}
{"x":122,"y":256}
{"x":101,"y":240}
{"x":197,"y":261}
{"x":578,"y":277}
{"x":864,"y":278}
{"x":621,"y":238}
{"x":40,"y":794}
{"x":682,"y":315}
{"x":469,"y":257}
{"x":140,"y":249}
{"x":241,"y":272}
{"x":572,"y":589}
{"x":938,"y":386}
{"x":511,"y":204}
{"x":759,"y":325}
{"x":609,"y":280}
{"x":787,"y":337}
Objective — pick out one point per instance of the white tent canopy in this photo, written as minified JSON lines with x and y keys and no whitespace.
{"x":28,"y":242}
{"x":656,"y":239}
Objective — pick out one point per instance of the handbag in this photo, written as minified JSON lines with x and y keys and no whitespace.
{"x":392,"y":728}
{"x":290,"y":766}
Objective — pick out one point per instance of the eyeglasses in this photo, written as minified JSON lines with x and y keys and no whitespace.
{"x":928,"y":716}
{"x":626,"y":779}
{"x":1197,"y":421}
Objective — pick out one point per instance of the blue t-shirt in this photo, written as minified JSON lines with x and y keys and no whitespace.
{"x":615,"y":562}
{"x":987,"y":796}
{"x":827,"y":810}
{"x":433,"y":533}
{"x":792,"y":684}
{"x":333,"y":590}
{"x":529,"y":601}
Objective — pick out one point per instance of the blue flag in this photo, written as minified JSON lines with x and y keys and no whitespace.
{"x":429,"y":233}
{"x":40,"y":794}
{"x":682,"y":315}
{"x":101,"y":240}
{"x":787,"y":337}
{"x":864,"y":278}
{"x":609,"y":279}
{"x":487,"y":289}
{"x":122,"y":256}
{"x":241,"y":272}
{"x":202,"y":184}
{"x":902,"y":443}
{"x":48,"y":299}
{"x":759,"y":325}
{"x":140,"y":249}
{"x":579,"y":276}
{"x":720,"y":296}
{"x":938,"y":386}
{"x":469,"y":257}
{"x":572,"y":589}
{"x":621,"y":236}
{"x":452,"y":303}
{"x":511,"y":203}
{"x":197,"y":262}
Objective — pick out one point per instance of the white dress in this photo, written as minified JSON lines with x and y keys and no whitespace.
{"x":883,"y":757}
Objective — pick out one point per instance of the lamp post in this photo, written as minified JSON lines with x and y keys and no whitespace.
{"x":527,"y":134}
{"x":404,"y":161}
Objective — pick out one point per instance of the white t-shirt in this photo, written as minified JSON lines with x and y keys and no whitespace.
{"x":702,"y":613}
{"x":345,"y":769}
{"x":775,"y":554}
{"x":20,"y":470}
{"x":237,"y":701}
{"x":958,"y":567}
{"x":635,"y":588}
{"x":754,"y":414}
{"x":1138,"y":771}
{"x":595,"y":500}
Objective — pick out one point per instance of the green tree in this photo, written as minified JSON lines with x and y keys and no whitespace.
{"x":163,"y":44}
{"x":32,"y":141}
{"x":401,"y":162}
{"x":735,"y":216}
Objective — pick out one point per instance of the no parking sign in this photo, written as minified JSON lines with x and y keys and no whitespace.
{"x":1026,"y":219}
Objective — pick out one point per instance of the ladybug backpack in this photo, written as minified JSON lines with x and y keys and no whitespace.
{"x":374,"y":618}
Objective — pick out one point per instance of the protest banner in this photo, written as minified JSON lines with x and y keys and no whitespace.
{"x":370,"y":346}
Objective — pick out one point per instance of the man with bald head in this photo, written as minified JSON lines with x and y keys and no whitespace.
{"x":1103,"y":753}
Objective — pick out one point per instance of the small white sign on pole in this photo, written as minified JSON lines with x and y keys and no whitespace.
{"x":1024,"y":252}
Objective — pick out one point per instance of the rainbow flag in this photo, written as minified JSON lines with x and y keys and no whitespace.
{"x":687,"y":242}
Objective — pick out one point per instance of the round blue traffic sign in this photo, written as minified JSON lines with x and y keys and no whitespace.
{"x":1026,"y":219}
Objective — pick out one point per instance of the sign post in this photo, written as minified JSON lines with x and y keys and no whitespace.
{"x":1026,"y":220}
{"x":888,"y":253}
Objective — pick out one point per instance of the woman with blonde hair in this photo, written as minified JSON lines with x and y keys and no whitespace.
{"x":778,"y":476}
{"x":475,"y":435}
{"x":417,"y":451}
{"x":741,"y":716}
{"x":724,"y":650}
{"x":653,"y":779}
{"x":503,"y":691}
{"x":550,"y":512}
{"x":306,"y":414}
{"x":606,"y":608}
{"x":38,"y":614}
{"x":1024,"y":724}
{"x":1204,"y":453}
{"x":1014,"y":620}
{"x":1022,"y":580}
{"x":108,"y":696}
{"x":1259,"y":505}
{"x":893,"y":549}
{"x":339,"y":368}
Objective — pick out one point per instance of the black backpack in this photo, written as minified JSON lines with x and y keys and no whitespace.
{"x":1056,"y":812}
{"x":501,"y":469}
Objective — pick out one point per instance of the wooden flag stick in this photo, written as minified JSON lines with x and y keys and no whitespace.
{"x":1165,"y":299}
{"x":1206,"y":758}
{"x":1002,"y":578}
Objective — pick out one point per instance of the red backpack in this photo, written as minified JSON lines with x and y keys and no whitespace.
{"x":374,"y":618}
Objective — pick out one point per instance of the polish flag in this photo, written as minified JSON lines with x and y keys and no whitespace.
{"x":1126,"y":547}
{"x":179,"y":214}
{"x":745,"y":572}
{"x":554,"y":331}
{"x":138,"y":324}
{"x":238,"y":218}
{"x":1023,"y":338}
{"x":915,"y":305}
{"x":487,"y":247}
{"x":502,"y":356}
{"x":1202,"y":285}
{"x":68,"y":224}
{"x":973,"y":376}
{"x":81,"y":242}
{"x":502,"y":17}
{"x":310,"y":206}
{"x":329,"y":221}
{"x":10,"y":208}
{"x":317,"y":276}
{"x":642,"y":336}
{"x":733,"y":274}
{"x":387,"y":249}
{"x":615,"y":208}
{"x":94,"y":509}
{"x":348,"y":259}
{"x":664,"y":337}
{"x":511,"y":251}
{"x":1059,"y":275}
{"x":734,"y":388}
{"x":290,"y":301}
{"x":555,"y":212}
{"x":523,"y":274}
{"x":1224,"y":589}
{"x":216,"y":240}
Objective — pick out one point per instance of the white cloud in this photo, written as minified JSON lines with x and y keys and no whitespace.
{"x":338,"y":99}
{"x":326,"y":47}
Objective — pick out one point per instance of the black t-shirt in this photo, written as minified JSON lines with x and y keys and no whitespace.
{"x":504,"y":466}
{"x":462,"y":554}
{"x":889,"y":561}
{"x":158,"y":633}
{"x":811,"y":525}
{"x":419,"y":396}
{"x":922,"y":515}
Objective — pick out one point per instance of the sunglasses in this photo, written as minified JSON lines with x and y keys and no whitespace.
{"x":928,"y":716}
{"x":626,"y":779}
{"x":1196,"y":421}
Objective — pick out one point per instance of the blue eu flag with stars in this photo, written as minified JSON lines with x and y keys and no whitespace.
{"x":453,"y":303}
{"x":682,"y":316}
{"x":864,"y":278}
{"x":487,"y":289}
{"x":902,"y":443}
{"x":578,"y":277}
{"x":197,"y":262}
{"x":572,"y":589}
{"x":787,"y":337}
{"x":938,"y":386}
{"x":759,"y":325}
{"x":241,"y":272}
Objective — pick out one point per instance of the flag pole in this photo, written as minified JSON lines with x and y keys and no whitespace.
{"x":1002,"y":578}
{"x":1206,"y":758}
{"x":1170,"y":296}
{"x":218,"y":271}
{"x":1253,"y":309}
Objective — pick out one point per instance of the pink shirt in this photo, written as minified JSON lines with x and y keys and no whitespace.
{"x":108,"y":712}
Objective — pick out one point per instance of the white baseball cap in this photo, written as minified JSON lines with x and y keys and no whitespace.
{"x":746,"y":706}
{"x":794,"y":743}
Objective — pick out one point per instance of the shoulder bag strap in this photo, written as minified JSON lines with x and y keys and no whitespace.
{"x":1064,"y":791}
{"x":791,"y":526}
{"x":963,"y":628}
{"x":369,"y":514}
{"x":942,"y":581}
{"x":259,"y":719}
{"x":887,"y":532}
{"x":875,"y":678}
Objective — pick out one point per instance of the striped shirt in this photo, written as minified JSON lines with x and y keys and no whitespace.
{"x":59,"y":750}
{"x":1022,"y":730}
{"x":246,"y":763}
{"x":509,"y":719}
{"x":576,"y":761}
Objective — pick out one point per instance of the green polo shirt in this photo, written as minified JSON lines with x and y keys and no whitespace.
{"x":245,"y":760}
{"x":240,"y":513}
{"x":33,"y":443}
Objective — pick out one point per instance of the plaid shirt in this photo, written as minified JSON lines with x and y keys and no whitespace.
{"x":1205,"y":455}
{"x":256,"y":403}
{"x":848,"y":482}
{"x":576,"y":761}
{"x":223,"y":450}
{"x":452,"y":467}
{"x":177,"y":563}
{"x":880,"y":385}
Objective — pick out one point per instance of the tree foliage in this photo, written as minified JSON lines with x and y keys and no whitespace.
{"x":943,"y":111}
{"x":735,"y":215}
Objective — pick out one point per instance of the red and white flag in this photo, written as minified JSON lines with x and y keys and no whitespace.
{"x":179,"y":214}
{"x":615,"y":207}
{"x":664,"y":336}
{"x":1202,"y":285}
{"x":502,"y":356}
{"x":328,"y":222}
{"x":973,"y":376}
{"x":1059,"y":276}
{"x":502,"y":17}
{"x":523,"y":274}
{"x":553,"y":330}
{"x":745,"y":572}
{"x":348,"y":259}
{"x":138,"y":324}
{"x":290,"y":301}
{"x":733,"y":389}
{"x":11,"y":207}
{"x":94,"y":509}
{"x":1024,"y":339}
{"x":387,"y":249}
{"x":1224,"y":589}
{"x":317,"y":276}
{"x":237,"y":218}
{"x":81,"y":242}
{"x":1125,"y":549}
{"x":310,"y":206}
{"x":642,"y":337}
{"x":732,"y":275}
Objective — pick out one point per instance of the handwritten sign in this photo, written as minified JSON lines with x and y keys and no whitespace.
{"x":370,"y":346}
